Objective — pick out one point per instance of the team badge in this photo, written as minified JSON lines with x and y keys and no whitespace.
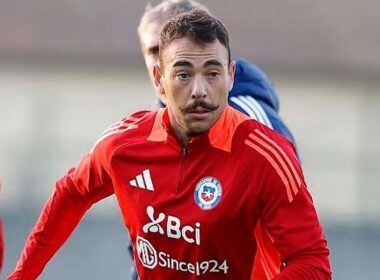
{"x":207,"y":193}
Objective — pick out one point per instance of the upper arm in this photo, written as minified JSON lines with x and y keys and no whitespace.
{"x":287,"y":210}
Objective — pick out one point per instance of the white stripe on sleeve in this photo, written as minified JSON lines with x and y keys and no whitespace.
{"x":253,"y":108}
{"x":246,"y":108}
{"x":261,"y":110}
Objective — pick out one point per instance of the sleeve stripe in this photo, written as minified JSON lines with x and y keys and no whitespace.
{"x":247,"y":110}
{"x":116,"y":128}
{"x":133,"y":119}
{"x":275,"y":154}
{"x":285,"y":156}
{"x":104,"y":136}
{"x":274,"y":165}
{"x":261,"y":110}
{"x":119,"y":126}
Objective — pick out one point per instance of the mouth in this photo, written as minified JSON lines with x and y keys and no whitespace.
{"x":199,"y":113}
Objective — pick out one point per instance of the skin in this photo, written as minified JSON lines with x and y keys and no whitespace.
{"x":194,"y":82}
{"x":149,"y":39}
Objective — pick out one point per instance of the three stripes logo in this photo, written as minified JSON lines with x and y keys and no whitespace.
{"x":278,"y":159}
{"x":143,"y":181}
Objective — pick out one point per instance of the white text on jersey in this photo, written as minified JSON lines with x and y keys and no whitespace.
{"x":190,"y":234}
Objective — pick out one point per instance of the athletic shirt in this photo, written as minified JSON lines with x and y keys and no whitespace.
{"x":191,"y":211}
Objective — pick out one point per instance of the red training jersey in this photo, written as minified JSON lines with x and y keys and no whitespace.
{"x":200,"y":212}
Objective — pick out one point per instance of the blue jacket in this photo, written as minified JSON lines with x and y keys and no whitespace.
{"x":254,"y":95}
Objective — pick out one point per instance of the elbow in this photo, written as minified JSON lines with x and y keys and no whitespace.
{"x":315,"y":266}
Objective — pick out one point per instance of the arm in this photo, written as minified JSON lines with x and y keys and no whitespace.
{"x":288,"y":214}
{"x":73,"y":196}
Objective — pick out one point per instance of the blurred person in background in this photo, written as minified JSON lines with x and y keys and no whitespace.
{"x":253,"y":94}
{"x":182,"y":228}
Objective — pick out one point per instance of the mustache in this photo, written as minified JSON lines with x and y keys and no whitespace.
{"x":199,"y":103}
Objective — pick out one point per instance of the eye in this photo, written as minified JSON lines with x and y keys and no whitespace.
{"x":213,"y":74}
{"x":153,"y":50}
{"x":183,"y":76}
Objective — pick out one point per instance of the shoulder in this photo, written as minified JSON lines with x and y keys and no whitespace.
{"x":234,"y":127}
{"x":129,"y":129}
{"x":252,"y":131}
{"x":264,"y":144}
{"x":270,"y":155}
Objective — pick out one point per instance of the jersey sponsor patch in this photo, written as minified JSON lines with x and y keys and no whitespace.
{"x":146,"y":253}
{"x":172,"y":227}
{"x":150,"y":258}
{"x":208,"y":193}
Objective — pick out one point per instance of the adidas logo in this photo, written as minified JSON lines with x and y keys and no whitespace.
{"x":143,"y":181}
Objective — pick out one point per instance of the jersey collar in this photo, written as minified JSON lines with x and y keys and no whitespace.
{"x":219,"y":136}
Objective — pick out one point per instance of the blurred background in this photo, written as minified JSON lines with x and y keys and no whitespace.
{"x":69,"y":69}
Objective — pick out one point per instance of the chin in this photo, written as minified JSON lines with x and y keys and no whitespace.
{"x":195,"y":131}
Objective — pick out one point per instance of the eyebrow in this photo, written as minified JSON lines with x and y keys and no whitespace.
{"x":185,"y":63}
{"x":213,"y":62}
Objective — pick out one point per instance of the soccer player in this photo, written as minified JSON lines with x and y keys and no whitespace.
{"x":253,"y":94}
{"x":193,"y":179}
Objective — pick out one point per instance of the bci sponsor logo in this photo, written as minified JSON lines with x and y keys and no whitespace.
{"x":171,"y":226}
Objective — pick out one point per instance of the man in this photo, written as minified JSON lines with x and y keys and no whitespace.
{"x":252,"y":94}
{"x":191,"y":180}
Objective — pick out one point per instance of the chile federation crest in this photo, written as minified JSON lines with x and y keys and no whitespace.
{"x":208,"y":193}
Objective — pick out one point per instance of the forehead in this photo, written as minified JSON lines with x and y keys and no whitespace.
{"x":186,"y":49}
{"x":150,"y":34}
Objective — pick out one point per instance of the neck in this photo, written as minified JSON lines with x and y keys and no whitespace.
{"x":179,"y":132}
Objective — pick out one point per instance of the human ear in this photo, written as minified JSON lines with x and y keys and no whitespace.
{"x":157,"y":75}
{"x":231,"y":73}
{"x":158,"y":78}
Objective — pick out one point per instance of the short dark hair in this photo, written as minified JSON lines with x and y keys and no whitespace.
{"x":197,"y":25}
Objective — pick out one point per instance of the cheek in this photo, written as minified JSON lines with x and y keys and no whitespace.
{"x":221,"y":90}
{"x":176,"y":95}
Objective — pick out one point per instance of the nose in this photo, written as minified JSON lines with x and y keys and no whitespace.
{"x":199,"y":88}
